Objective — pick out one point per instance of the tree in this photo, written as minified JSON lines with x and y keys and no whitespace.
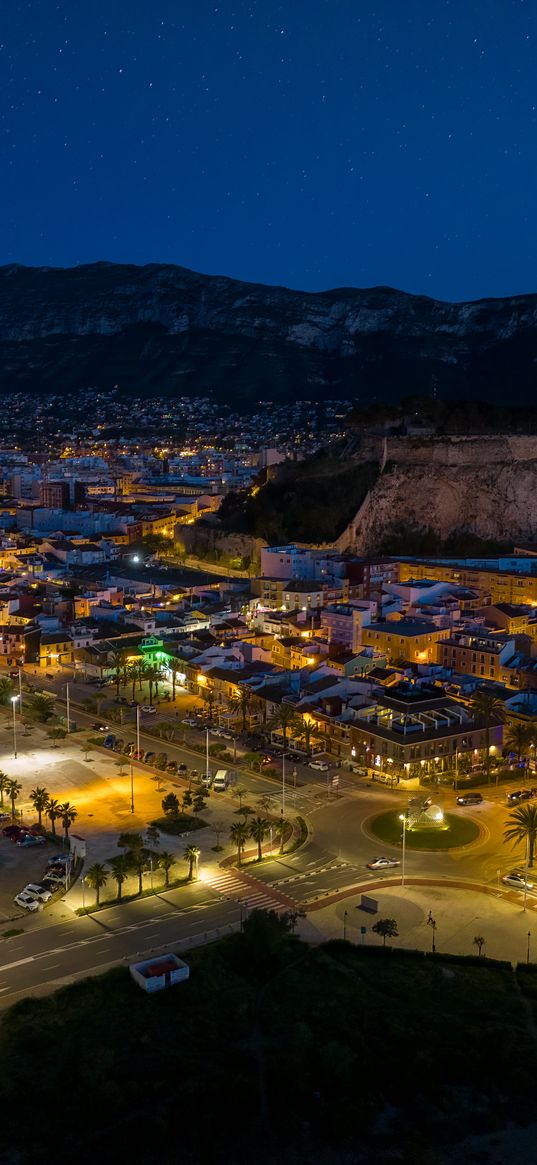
{"x":56,"y":734}
{"x":166,"y":860}
{"x":97,"y":877}
{"x":280,"y":828}
{"x":13,"y":789}
{"x":199,"y":803}
{"x":479,"y":942}
{"x":387,"y":927}
{"x":43,"y":707}
{"x":119,"y":868}
{"x":307,"y":733}
{"x":265,"y":802}
{"x":176,"y":668}
{"x":4,"y":781}
{"x":191,"y":855}
{"x":207,"y":696}
{"x":116,"y":660}
{"x":121,"y":765}
{"x":68,"y":814}
{"x":6,"y":690}
{"x":486,"y":707}
{"x":152,"y":674}
{"x":218,"y":827}
{"x":239,"y":834}
{"x":259,"y":828}
{"x":139,"y":862}
{"x":170,"y":805}
{"x":40,"y":799}
{"x":86,"y":748}
{"x":287,"y":719}
{"x":519,"y":739}
{"x":133,"y":841}
{"x":239,"y":794}
{"x":522,"y":826}
{"x":152,"y":836}
{"x":186,"y":799}
{"x":53,"y":809}
{"x":242,"y":703}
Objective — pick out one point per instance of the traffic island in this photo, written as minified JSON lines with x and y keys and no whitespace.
{"x":454,"y":831}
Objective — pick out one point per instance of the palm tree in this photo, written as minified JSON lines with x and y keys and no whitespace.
{"x":119,"y":867}
{"x":207,"y":695}
{"x":39,"y":798}
{"x":53,"y":809}
{"x":68,"y":814}
{"x":280,"y":827}
{"x":6,"y":690}
{"x":97,"y":876}
{"x":176,"y":669}
{"x":486,"y":707}
{"x":259,"y":828}
{"x":115,"y":660}
{"x":242,"y":703}
{"x":4,"y":781}
{"x":139,"y":863}
{"x":522,"y":826}
{"x":166,"y":860}
{"x":191,"y":855}
{"x":152,"y":675}
{"x":239,"y":834}
{"x":307,"y":733}
{"x":287,"y":719}
{"x":519,"y":739}
{"x":13,"y":789}
{"x":239,"y":794}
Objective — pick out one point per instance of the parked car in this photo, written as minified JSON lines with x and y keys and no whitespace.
{"x":59,"y":859}
{"x":515,"y":796}
{"x":30,"y":839}
{"x":517,"y":879}
{"x":121,"y":700}
{"x":182,"y":768}
{"x":470,"y":799}
{"x":5,"y":817}
{"x":171,"y":767}
{"x":119,"y":744}
{"x":54,"y":878}
{"x":161,"y":760}
{"x":138,"y":754}
{"x":190,"y":722}
{"x":226,"y":735}
{"x":130,"y":748}
{"x":37,"y":891}
{"x":207,"y":780}
{"x":109,"y":740}
{"x":321,"y":766}
{"x":12,"y":831}
{"x":382,"y":863}
{"x":214,"y":732}
{"x":26,"y":901}
{"x":148,"y":708}
{"x":148,"y":757}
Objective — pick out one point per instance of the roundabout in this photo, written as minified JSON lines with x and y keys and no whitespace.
{"x":453,"y":832}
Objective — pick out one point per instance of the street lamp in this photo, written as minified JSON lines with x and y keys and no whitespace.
{"x":403,"y":820}
{"x":13,"y":705}
{"x":345,"y":925}
{"x":132,"y":786}
{"x":432,"y":923}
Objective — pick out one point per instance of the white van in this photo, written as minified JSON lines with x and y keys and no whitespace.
{"x":221,"y":781}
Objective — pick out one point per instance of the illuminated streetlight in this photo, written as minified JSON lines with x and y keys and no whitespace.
{"x":13,"y":704}
{"x":403,"y":820}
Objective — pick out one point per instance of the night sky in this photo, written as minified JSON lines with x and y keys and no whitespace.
{"x":313,"y":143}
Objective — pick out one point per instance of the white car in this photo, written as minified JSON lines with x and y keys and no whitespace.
{"x":38,"y":892}
{"x":516,"y":879}
{"x":148,"y":708}
{"x":322,"y":766}
{"x":382,"y":863}
{"x":215,"y":732}
{"x":26,"y":901}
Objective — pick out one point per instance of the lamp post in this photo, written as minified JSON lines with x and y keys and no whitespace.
{"x":403,"y":820}
{"x":132,"y":786}
{"x":20,"y":689}
{"x":82,"y":883}
{"x":526,"y":865}
{"x":13,"y":705}
{"x":345,"y":912}
{"x":67,"y":705}
{"x":207,"y":773}
{"x":528,"y":950}
{"x":432,"y":924}
{"x":283,"y":784}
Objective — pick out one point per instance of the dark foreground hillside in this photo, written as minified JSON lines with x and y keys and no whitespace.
{"x":272,"y":1052}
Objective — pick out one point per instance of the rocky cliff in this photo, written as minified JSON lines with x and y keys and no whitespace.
{"x":485,"y":488}
{"x":164,"y":329}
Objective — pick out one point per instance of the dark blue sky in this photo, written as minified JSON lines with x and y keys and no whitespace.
{"x":312,"y":143}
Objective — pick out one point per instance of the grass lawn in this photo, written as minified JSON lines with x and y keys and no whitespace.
{"x":460,"y":831}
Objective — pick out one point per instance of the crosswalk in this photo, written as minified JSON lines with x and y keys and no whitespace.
{"x":253,"y":894}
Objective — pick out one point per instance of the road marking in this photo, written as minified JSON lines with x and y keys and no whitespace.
{"x":19,"y":963}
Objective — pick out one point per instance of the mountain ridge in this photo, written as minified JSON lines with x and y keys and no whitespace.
{"x":163,"y":329}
